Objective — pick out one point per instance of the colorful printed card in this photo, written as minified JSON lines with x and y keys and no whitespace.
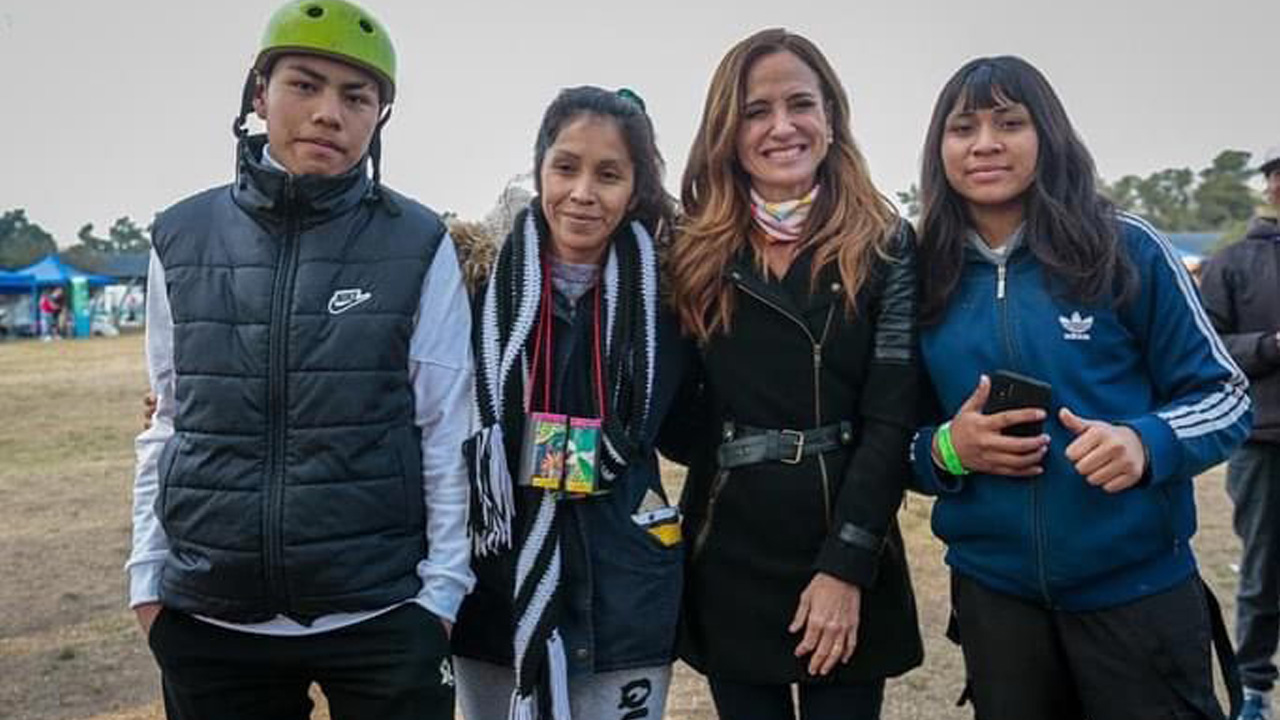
{"x":584,"y":442}
{"x":543,"y":455}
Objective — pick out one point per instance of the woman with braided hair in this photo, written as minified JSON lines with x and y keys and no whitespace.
{"x":576,"y":549}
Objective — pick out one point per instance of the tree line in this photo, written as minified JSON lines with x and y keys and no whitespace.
{"x":23,"y":241}
{"x":1216,"y":198}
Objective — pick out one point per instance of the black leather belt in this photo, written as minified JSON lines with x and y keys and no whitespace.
{"x":746,"y":445}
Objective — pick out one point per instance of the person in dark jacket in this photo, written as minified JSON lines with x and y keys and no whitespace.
{"x":300,"y":499}
{"x":796,"y":278}
{"x":1241,"y":290}
{"x":1074,"y":587}
{"x":577,"y":553}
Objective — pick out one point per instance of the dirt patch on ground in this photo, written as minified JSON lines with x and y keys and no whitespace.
{"x":69,"y":649}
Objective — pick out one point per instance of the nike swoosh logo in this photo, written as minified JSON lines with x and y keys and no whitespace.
{"x":344,"y":300}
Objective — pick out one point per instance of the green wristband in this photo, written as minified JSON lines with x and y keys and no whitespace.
{"x":950,"y":459}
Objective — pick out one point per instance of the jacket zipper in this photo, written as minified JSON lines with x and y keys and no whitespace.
{"x":277,"y":408}
{"x":816,"y":344}
{"x":817,"y":412}
{"x":1037,"y":511}
{"x":716,"y":486}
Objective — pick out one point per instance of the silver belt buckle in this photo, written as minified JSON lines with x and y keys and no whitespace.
{"x":799,"y":440}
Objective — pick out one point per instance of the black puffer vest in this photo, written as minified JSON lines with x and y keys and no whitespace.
{"x":293,"y":482}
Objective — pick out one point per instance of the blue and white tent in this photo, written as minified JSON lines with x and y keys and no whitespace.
{"x":51,"y":271}
{"x":17,"y":282}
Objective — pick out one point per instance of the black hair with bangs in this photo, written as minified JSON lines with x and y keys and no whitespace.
{"x":1070,"y":228}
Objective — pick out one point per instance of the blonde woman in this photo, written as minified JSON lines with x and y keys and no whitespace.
{"x":796,"y":278}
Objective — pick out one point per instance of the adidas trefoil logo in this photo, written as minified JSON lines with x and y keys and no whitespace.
{"x":344,"y":300}
{"x":1076,"y":327}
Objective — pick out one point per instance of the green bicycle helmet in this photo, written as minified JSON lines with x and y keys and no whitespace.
{"x":333,"y":28}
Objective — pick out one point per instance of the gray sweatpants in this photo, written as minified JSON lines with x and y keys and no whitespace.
{"x":484,"y":692}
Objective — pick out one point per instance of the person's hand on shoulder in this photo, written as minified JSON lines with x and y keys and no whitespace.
{"x":148,"y":409}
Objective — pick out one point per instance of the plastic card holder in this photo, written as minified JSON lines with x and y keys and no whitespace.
{"x":580,"y":465}
{"x":561,"y":453}
{"x":542,"y":457}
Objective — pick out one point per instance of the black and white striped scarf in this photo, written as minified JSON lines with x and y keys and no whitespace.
{"x":506,"y":321}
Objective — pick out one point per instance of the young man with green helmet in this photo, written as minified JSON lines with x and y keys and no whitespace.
{"x":300,"y":498}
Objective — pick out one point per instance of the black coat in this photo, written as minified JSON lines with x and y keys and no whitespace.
{"x":1241,"y":291}
{"x":773,"y":525}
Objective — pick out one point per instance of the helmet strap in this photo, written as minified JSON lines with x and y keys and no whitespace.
{"x":238,"y":124}
{"x":246,"y":104}
{"x":375,"y":151}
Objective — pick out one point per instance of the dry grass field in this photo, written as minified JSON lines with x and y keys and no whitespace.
{"x":69,"y":650}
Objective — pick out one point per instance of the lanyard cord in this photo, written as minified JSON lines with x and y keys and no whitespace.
{"x":544,"y":352}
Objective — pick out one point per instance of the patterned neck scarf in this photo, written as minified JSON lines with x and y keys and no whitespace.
{"x":573,"y":280}
{"x":782,"y":222}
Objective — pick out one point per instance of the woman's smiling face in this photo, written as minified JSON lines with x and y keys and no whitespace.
{"x":587,"y":178}
{"x":784,"y":130}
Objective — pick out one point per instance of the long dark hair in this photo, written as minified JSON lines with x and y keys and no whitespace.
{"x":651,"y":204}
{"x":1070,"y":228}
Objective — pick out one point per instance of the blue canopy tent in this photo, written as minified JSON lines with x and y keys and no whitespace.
{"x":123,"y":304}
{"x":52,"y":272}
{"x":122,"y":268}
{"x":16,"y":283}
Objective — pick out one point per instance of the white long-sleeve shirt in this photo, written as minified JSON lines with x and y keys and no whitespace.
{"x":441,"y":373}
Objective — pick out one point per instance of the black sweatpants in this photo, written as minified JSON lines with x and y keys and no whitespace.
{"x":1148,"y":660}
{"x":392,"y":667}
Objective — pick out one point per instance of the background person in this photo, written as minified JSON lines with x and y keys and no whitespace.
{"x":570,"y":321}
{"x":1074,"y":587}
{"x":300,"y":501}
{"x":52,"y":304}
{"x":1241,"y":291}
{"x":796,"y":278}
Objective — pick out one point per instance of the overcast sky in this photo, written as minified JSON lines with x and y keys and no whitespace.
{"x":118,"y":107}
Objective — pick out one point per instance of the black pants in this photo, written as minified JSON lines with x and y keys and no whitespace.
{"x":1253,"y":482}
{"x":740,"y":701}
{"x":392,"y":667}
{"x":1148,"y":660}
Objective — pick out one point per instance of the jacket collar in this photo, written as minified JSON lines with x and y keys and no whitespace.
{"x":977,"y":248}
{"x":1264,"y":228}
{"x":794,"y":294}
{"x":269,"y":193}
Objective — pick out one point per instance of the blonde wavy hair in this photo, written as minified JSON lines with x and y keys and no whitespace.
{"x":850,"y":222}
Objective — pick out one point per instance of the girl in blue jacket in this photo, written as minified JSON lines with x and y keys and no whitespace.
{"x":1074,"y":587}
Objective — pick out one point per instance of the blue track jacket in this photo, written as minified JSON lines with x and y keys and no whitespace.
{"x":1154,"y":364}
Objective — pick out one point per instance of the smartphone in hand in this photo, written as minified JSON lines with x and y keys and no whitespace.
{"x":1012,"y":391}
